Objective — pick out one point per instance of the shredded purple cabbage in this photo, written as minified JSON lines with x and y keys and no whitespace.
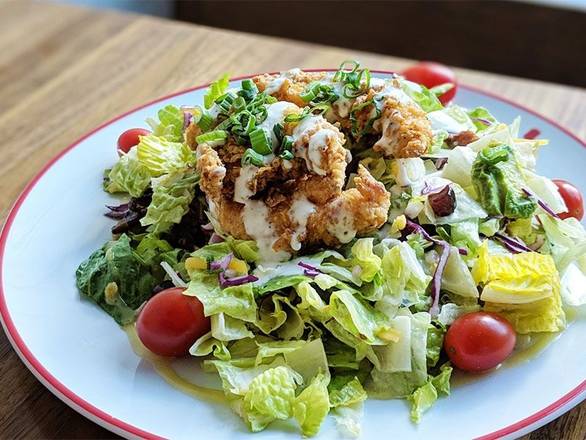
{"x":215,"y":238}
{"x":222,"y":263}
{"x":411,"y":226}
{"x":436,"y":281}
{"x":236,"y":281}
{"x":483,"y":121}
{"x":541,"y":203}
{"x":309,"y":270}
{"x":187,"y":116}
{"x":512,"y":244}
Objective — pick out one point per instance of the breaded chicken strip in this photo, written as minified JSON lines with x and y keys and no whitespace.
{"x":286,"y":205}
{"x":403,"y":125}
{"x":288,"y":85}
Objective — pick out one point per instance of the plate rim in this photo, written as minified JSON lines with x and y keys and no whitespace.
{"x":118,"y":426}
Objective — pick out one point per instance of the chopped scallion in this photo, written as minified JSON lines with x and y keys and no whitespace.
{"x":261,"y":141}
{"x":251,"y":157}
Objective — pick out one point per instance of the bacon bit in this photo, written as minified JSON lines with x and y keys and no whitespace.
{"x":532,"y":134}
{"x":443,"y":202}
{"x":462,"y":138}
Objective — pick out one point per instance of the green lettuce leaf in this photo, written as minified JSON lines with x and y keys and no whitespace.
{"x":426,"y":99}
{"x":403,"y":384}
{"x":421,"y":400}
{"x":480,"y":114}
{"x":170,"y":124}
{"x":309,"y":360}
{"x":128,"y":175}
{"x":359,"y":318}
{"x":403,"y":276}
{"x":172,"y":194}
{"x":236,"y":301}
{"x":276,"y":314}
{"x":226,"y":328}
{"x":346,"y":390}
{"x":207,"y":344}
{"x":499,"y":184}
{"x":216,"y":89}
{"x":312,"y":406}
{"x":364,"y":257}
{"x":160,"y":156}
{"x":115,"y":279}
{"x":270,"y":396}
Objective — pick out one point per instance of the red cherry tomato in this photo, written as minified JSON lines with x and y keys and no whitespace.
{"x":573,"y":199}
{"x":433,"y":74}
{"x":129,"y":138}
{"x":479,"y":341}
{"x":171,"y":322}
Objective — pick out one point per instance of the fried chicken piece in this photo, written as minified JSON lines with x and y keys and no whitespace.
{"x":403,"y":125}
{"x":406,"y":131}
{"x":286,"y":205}
{"x":288,"y":86}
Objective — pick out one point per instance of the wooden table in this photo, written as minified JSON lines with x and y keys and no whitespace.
{"x":64,"y":70}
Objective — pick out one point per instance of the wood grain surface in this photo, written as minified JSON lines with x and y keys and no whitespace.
{"x":65,"y":70}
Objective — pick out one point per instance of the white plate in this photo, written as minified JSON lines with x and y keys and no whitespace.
{"x":79,"y":353}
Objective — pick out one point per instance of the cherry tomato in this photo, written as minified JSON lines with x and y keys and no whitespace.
{"x":479,"y":341}
{"x":573,"y":199}
{"x":433,"y":74}
{"x":171,"y":322}
{"x":129,"y":138}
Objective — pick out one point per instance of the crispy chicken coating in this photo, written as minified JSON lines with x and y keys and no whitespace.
{"x":289,"y":85}
{"x":404,"y":128}
{"x":287,"y":205}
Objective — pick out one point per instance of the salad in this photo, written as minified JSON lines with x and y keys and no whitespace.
{"x":315,"y":239}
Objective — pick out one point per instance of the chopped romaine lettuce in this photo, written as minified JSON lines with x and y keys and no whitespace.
{"x":128,"y":175}
{"x":499,"y":183}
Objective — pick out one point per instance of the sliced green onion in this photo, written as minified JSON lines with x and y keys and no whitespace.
{"x":347,"y":67}
{"x":260,"y":141}
{"x":271,"y":99}
{"x":309,"y":94}
{"x":216,"y":89}
{"x":248,"y":84}
{"x":205,"y":121}
{"x":287,"y":143}
{"x":287,"y":155}
{"x":216,"y":137}
{"x":239,"y":104}
{"x":225,"y":101}
{"x":251,"y":157}
{"x":278,"y":130}
{"x":296,"y":117}
{"x":320,"y":109}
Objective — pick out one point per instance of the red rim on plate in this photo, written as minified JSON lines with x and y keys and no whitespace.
{"x":121,"y":427}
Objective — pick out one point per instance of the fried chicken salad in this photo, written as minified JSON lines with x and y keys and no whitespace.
{"x":318,"y":238}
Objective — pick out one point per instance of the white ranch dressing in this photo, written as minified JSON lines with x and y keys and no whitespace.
{"x":255,"y":216}
{"x":316,"y":145}
{"x":275,"y":85}
{"x":343,"y":225}
{"x":299,"y":213}
{"x":389,"y":91}
{"x":275,"y":115}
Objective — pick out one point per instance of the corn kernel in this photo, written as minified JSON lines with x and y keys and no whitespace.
{"x":111,"y":293}
{"x":238,"y":266}
{"x":195,"y":263}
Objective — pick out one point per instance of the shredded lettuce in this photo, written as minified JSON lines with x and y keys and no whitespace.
{"x":172,"y":194}
{"x":170,"y":124}
{"x":426,"y":99}
{"x":216,"y":89}
{"x":499,"y":184}
{"x":128,"y":175}
{"x":160,"y":156}
{"x":312,"y":405}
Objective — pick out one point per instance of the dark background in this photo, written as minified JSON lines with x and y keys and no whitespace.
{"x":509,"y":37}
